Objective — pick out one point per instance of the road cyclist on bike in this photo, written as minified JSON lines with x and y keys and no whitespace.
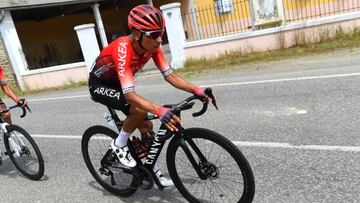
{"x":8,"y":91}
{"x":111,"y":81}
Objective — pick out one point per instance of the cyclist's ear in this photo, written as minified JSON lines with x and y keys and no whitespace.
{"x":136,"y":34}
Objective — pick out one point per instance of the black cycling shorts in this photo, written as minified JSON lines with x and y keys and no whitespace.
{"x":108,"y":95}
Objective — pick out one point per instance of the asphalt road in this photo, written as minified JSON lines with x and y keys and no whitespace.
{"x":295,"y":120}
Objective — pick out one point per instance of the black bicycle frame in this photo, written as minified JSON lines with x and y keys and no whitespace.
{"x":161,"y":136}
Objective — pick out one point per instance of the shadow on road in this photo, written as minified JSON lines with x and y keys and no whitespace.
{"x":149,"y":196}
{"x":8,"y":169}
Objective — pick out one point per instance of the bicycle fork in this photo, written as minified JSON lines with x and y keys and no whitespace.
{"x":204,"y":169}
{"x":15,"y":148}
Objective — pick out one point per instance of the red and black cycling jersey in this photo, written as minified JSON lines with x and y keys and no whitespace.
{"x":118,"y":63}
{"x":2,"y":77}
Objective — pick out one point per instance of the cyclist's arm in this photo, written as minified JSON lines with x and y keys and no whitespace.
{"x":169,"y":74}
{"x":9,"y":92}
{"x":169,"y":119}
{"x":137,"y":100}
{"x":177,"y":81}
{"x":180,"y":83}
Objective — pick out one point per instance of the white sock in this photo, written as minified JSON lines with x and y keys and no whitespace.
{"x":121,"y":140}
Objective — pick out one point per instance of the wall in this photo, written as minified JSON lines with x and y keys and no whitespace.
{"x":55,"y":76}
{"x":8,"y":73}
{"x":270,"y":39}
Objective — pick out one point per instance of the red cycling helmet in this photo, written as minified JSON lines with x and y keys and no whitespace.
{"x":145,"y":17}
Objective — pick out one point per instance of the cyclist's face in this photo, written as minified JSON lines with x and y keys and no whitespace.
{"x":152,"y":42}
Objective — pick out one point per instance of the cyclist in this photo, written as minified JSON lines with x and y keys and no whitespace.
{"x":111,"y":81}
{"x":6,"y":88}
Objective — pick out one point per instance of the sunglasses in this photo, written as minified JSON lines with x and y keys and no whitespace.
{"x":154,"y":34}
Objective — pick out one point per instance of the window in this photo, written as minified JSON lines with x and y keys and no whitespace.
{"x":224,"y":6}
{"x":267,"y":9}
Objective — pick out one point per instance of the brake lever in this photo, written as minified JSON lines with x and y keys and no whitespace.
{"x":208,"y":92}
{"x":28,"y":108}
{"x":24,"y":110}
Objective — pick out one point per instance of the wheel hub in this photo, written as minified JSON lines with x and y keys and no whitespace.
{"x":209,"y":170}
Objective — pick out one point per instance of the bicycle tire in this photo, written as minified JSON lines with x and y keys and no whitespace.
{"x":29,"y":165}
{"x":104,"y":136}
{"x":222,"y":170}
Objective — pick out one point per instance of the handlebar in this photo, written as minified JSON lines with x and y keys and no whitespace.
{"x":16,"y":106}
{"x":188,"y":104}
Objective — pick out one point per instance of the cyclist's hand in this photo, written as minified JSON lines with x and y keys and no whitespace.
{"x":199,"y":92}
{"x":168,"y":118}
{"x":22,"y":102}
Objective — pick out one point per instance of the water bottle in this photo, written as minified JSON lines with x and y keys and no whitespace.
{"x":148,"y":141}
{"x":137,"y":145}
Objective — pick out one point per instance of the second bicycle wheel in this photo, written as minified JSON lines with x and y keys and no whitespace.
{"x":103,"y":163}
{"x":225,"y":173}
{"x":24,"y":152}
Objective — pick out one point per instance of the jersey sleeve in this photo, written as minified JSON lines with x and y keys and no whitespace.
{"x":122,"y":56}
{"x":161,"y":63}
{"x":2,"y":77}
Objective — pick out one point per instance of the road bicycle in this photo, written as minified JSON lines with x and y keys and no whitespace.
{"x":204,"y":165}
{"x":21,"y":147}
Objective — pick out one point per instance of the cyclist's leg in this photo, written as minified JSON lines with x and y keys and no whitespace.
{"x":145,"y":128}
{"x":117,"y":101}
{"x":6,"y":116}
{"x":113,"y":98}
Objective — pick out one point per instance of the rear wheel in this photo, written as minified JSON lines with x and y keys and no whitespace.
{"x":24,"y":152}
{"x":224,"y":174}
{"x":103,"y":163}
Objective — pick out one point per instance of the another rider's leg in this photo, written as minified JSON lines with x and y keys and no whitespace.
{"x":6,"y":116}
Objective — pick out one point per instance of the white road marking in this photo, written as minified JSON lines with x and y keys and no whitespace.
{"x":294,"y":111}
{"x":284,"y":145}
{"x":67,"y":137}
{"x":284,"y":80}
{"x":276,"y":145}
{"x":288,"y":111}
{"x":58,"y":98}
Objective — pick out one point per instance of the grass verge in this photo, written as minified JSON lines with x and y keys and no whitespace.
{"x":326,"y":43}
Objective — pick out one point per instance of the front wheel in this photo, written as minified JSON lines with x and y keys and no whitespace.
{"x":207,"y":167}
{"x":103,"y":163}
{"x":24,"y":152}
